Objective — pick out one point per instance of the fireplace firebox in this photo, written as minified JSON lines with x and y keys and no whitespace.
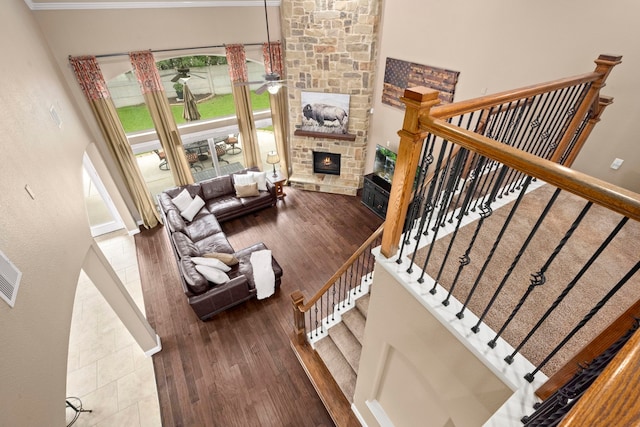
{"x":326,"y":163}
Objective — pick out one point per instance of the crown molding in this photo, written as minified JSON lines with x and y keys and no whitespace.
{"x":170,"y":4}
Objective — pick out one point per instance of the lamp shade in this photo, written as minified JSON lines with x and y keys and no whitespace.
{"x":273,"y":158}
{"x":273,"y":88}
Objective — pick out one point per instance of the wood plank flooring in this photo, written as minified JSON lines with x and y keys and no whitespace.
{"x":238,"y":369}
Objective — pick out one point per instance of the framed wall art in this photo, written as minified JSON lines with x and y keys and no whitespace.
{"x":399,"y":75}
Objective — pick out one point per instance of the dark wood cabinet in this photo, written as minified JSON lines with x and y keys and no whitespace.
{"x":375,"y":194}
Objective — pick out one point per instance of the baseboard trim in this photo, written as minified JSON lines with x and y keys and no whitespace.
{"x":155,"y":349}
{"x":358,"y":415}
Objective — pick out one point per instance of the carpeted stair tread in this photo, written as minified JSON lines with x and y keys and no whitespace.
{"x":355,"y":321}
{"x":362,"y":304}
{"x":347,"y":344}
{"x":336,"y":363}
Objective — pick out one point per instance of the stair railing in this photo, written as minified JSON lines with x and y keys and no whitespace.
{"x":313,"y":318}
{"x":498,"y":155}
{"x":560,"y":115}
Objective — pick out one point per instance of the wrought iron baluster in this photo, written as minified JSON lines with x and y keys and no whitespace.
{"x":556,"y":406}
{"x":576,"y":136}
{"x":572,"y":283}
{"x":333,"y":302}
{"x":497,"y":241}
{"x":530,"y":376}
{"x":538,"y":278}
{"x":515,"y":261}
{"x":465,"y":203}
{"x":465,"y":259}
{"x":315,"y":308}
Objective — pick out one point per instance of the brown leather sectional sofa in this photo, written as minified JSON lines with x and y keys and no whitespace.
{"x":203,"y":235}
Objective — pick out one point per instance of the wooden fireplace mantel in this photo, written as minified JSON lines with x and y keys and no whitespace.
{"x":326,"y":135}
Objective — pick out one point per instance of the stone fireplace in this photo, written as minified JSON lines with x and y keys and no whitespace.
{"x":331,"y":47}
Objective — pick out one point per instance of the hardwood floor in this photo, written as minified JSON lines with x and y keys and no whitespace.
{"x":238,"y":369}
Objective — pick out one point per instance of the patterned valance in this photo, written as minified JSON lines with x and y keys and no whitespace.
{"x":90,"y":77}
{"x":237,"y":60}
{"x":276,"y":52}
{"x":144,"y":66}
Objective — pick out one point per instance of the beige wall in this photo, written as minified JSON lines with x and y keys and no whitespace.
{"x":97,"y":32}
{"x":416,"y":370}
{"x":498,"y":45}
{"x":46,"y":237}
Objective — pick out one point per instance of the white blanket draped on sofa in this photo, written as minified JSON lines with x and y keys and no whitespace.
{"x":263,"y":275}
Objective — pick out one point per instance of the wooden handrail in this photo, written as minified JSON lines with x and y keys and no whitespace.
{"x":303,"y":308}
{"x":445,"y":111}
{"x":612,"y":400}
{"x":615,"y":198}
{"x":590,"y":351}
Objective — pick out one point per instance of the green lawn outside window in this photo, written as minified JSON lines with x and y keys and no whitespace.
{"x":137,"y":118}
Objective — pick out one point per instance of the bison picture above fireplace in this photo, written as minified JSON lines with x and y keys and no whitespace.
{"x":325,"y":112}
{"x":327,"y":163}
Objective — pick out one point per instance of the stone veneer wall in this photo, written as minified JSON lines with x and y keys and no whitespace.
{"x":330,"y":46}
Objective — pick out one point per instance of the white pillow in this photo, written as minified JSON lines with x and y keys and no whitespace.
{"x":182,"y":200}
{"x":211,"y":262}
{"x":243,"y":179}
{"x":213,"y":274}
{"x":194,"y":207}
{"x":261,"y":179}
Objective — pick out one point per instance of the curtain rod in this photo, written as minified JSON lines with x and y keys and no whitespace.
{"x":107,"y":55}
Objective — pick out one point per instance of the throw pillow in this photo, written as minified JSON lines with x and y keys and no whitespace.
{"x":228,"y":259}
{"x":211,"y":262}
{"x":249,"y":190}
{"x":192,"y":210}
{"x":212,"y":274}
{"x":261,"y":179}
{"x":243,"y":179}
{"x":182,"y":200}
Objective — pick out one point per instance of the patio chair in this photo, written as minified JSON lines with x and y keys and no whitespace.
{"x":163,"y":165}
{"x":192,"y":158}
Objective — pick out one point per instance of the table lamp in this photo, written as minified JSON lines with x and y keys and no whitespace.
{"x":272,"y":159}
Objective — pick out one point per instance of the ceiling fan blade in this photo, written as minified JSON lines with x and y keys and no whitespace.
{"x":175,"y":78}
{"x":248,"y":83}
{"x":261,"y":89}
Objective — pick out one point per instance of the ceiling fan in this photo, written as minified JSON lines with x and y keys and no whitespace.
{"x":183,"y":73}
{"x":272,"y":81}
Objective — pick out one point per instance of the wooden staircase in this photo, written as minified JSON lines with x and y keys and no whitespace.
{"x":340,"y":349}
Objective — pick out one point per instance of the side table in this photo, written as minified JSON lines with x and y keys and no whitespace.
{"x":278,"y":181}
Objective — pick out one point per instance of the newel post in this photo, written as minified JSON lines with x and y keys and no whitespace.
{"x":297,"y":300}
{"x":602,"y":103}
{"x":418,"y":102}
{"x":604,"y":65}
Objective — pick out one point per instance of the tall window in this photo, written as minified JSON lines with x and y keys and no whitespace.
{"x":209,"y":153}
{"x":208,"y":80}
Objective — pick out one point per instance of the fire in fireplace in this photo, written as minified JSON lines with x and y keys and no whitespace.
{"x":327,"y":163}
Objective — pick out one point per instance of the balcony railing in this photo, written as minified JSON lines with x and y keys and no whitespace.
{"x":477,"y":156}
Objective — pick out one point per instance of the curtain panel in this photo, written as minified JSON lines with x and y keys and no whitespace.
{"x":237,"y":60}
{"x":144,"y":66}
{"x":94,"y":87}
{"x":278,"y":103}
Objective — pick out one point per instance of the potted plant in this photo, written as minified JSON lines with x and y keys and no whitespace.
{"x":179,"y":88}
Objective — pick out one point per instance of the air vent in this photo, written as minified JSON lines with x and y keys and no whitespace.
{"x":9,"y":280}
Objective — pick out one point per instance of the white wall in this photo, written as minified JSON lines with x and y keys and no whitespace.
{"x":98,"y":32}
{"x":499,"y":44}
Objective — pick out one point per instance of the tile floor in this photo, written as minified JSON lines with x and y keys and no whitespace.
{"x":106,"y":368}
